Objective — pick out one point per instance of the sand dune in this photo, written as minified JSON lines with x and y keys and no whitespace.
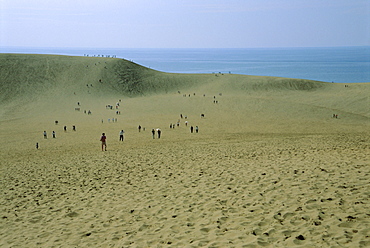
{"x":269,"y":167}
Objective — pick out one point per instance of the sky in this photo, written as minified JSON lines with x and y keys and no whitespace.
{"x":184,"y":23}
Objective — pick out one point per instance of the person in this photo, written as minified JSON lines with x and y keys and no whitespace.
{"x":191,"y":129}
{"x":53,"y":134}
{"x":196,"y":129}
{"x":139,"y":127}
{"x":45,"y":135}
{"x":37,"y":145}
{"x":121,"y":135}
{"x":65,"y":128}
{"x":159,"y":133}
{"x":153,"y":133}
{"x":103,"y":142}
{"x":74,"y":128}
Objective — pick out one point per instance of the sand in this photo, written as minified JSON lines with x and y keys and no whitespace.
{"x":269,"y":167}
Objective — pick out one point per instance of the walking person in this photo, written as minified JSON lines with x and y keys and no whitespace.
{"x":159,"y":133}
{"x":196,"y":129}
{"x":103,"y":140}
{"x":153,"y":133}
{"x":191,"y":129}
{"x":45,"y":135}
{"x":53,"y":133}
{"x":139,"y":127}
{"x":121,"y":135}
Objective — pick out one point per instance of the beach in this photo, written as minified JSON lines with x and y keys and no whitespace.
{"x":276,"y":162}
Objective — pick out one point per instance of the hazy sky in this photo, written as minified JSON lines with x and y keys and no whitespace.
{"x":184,"y":23}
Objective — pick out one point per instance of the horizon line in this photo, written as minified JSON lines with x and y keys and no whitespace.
{"x":183,"y":48}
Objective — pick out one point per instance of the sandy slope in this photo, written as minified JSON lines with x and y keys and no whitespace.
{"x":269,"y":167}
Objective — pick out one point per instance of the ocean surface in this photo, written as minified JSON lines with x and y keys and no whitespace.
{"x":329,"y":64}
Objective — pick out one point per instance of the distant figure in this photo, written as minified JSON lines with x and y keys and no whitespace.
{"x":121,"y":135}
{"x":37,"y":145}
{"x":103,"y":139}
{"x":45,"y":135}
{"x":202,"y":116}
{"x":196,"y":129}
{"x":191,"y":129}
{"x":159,"y":133}
{"x":74,"y":128}
{"x":53,"y":133}
{"x":56,"y":122}
{"x":65,"y":128}
{"x":153,"y":133}
{"x":186,"y":123}
{"x":78,"y":103}
{"x":139,"y":127}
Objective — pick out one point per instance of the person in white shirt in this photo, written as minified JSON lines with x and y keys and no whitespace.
{"x":121,"y":135}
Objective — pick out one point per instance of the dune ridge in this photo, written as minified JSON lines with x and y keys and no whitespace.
{"x":269,"y":167}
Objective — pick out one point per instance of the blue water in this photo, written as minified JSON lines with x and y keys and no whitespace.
{"x":339,"y":64}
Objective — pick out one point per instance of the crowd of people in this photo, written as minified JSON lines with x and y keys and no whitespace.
{"x":155,"y":132}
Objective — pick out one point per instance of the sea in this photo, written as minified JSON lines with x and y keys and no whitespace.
{"x":328,"y":64}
